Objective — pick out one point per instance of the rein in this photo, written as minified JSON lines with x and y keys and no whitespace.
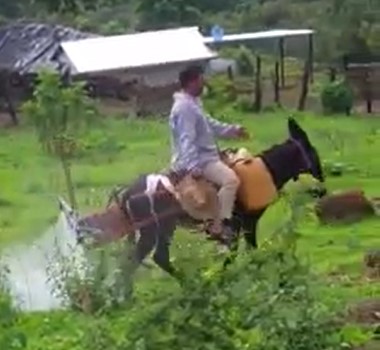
{"x":136,"y":225}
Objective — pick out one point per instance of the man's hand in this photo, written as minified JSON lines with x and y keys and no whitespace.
{"x":196,"y":173}
{"x":242,"y":133}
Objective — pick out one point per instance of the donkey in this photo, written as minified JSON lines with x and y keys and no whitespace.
{"x":152,"y":212}
{"x":285,"y":162}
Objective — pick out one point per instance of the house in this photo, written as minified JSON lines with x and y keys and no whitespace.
{"x":146,"y":64}
{"x":26,"y":47}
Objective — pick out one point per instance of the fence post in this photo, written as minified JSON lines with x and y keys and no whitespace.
{"x":282,"y":59}
{"x":368,"y":91}
{"x":305,"y":86}
{"x":311,"y":57}
{"x":258,"y":91}
{"x":5,"y":93}
{"x":276,"y":83}
{"x":332,"y":74}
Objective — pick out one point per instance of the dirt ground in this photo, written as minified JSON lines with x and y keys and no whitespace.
{"x":367,"y":312}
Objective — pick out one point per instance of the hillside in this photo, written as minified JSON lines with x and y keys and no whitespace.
{"x":342,"y":25}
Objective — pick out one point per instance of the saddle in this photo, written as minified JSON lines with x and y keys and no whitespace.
{"x":199,"y":197}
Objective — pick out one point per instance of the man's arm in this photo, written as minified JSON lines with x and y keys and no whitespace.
{"x":221,"y":129}
{"x":184,"y":125}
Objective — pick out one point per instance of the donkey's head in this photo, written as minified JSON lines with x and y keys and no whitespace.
{"x":310,"y":154}
{"x":107,"y":225}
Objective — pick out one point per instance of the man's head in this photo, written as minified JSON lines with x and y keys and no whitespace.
{"x":191,"y":80}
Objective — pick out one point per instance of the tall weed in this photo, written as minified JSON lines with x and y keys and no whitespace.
{"x":269,"y":299}
{"x":97,"y":283}
{"x":11,"y":338}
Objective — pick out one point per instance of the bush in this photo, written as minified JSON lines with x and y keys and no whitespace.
{"x":245,"y":103}
{"x":220,"y":92}
{"x":337,"y":98}
{"x":60,"y":116}
{"x":94,"y":281}
{"x":245,"y":62}
{"x":268,"y":300}
{"x":11,"y":338}
{"x":244,"y":59}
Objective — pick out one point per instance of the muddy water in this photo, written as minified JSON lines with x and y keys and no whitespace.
{"x":29,"y":267}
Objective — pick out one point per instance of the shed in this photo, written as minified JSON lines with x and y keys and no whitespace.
{"x":26,"y":47}
{"x":147,"y":64}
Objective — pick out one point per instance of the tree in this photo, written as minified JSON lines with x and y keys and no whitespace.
{"x":158,"y":14}
{"x":59,"y":115}
{"x":76,"y":6}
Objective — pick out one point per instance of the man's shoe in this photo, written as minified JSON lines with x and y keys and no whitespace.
{"x":225,"y":236}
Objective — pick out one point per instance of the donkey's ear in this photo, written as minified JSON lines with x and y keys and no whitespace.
{"x":296,"y":131}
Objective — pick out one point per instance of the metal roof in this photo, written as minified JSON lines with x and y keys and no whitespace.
{"x":25,"y":47}
{"x":277,"y":33}
{"x":137,"y":50}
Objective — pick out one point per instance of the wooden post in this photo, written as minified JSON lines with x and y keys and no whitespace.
{"x":282,"y":63}
{"x":332,"y":74}
{"x":11,"y":109}
{"x":66,"y":78}
{"x":368,"y":91}
{"x":258,"y":92}
{"x":276,"y":83}
{"x":230,"y":73}
{"x":311,"y":57}
{"x":305,"y":87}
{"x":5,"y":93}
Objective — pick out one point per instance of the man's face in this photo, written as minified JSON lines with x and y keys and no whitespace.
{"x":196,"y":86}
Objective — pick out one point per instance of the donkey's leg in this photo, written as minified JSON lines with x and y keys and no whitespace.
{"x":234,"y":245}
{"x":250,"y":227}
{"x":132,"y":258}
{"x":145,"y":244}
{"x":162,"y":254}
{"x":250,"y":235}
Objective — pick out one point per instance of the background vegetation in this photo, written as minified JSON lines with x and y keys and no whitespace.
{"x":342,"y":25}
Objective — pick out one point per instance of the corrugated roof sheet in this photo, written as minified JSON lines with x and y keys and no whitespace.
{"x":277,"y":33}
{"x":137,"y":50}
{"x":26,"y":47}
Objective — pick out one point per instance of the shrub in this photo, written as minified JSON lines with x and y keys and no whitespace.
{"x":60,"y":116}
{"x":245,"y":103}
{"x":243,"y":57}
{"x":221,"y":88}
{"x":267,"y":300}
{"x":245,"y":62}
{"x":11,"y":338}
{"x":94,"y":281}
{"x":337,"y":98}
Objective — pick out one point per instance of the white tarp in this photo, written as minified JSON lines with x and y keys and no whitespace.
{"x":137,"y":50}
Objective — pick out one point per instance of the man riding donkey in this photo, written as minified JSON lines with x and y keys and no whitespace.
{"x":148,"y":210}
{"x":195,"y":152}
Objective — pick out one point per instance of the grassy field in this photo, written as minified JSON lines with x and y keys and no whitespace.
{"x":30,"y":183}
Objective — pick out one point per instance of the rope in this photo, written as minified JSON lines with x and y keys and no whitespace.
{"x":137,"y":225}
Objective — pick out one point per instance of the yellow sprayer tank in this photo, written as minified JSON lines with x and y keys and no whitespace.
{"x":256,"y":189}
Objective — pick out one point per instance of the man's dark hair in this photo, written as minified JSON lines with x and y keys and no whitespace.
{"x":189,"y":74}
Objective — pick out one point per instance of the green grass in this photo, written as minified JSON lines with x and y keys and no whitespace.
{"x":30,"y":183}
